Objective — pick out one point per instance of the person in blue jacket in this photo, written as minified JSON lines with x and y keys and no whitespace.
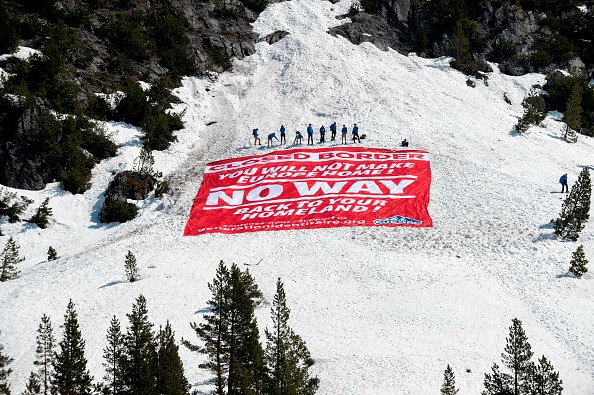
{"x":270,"y":137}
{"x":356,"y":133}
{"x":283,"y":139}
{"x":309,"y":134}
{"x":322,"y":134}
{"x":563,"y":182}
{"x":256,"y":138}
{"x":333,"y":132}
{"x":298,"y":138}
{"x":344,"y":132}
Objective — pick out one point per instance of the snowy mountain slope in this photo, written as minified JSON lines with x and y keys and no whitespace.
{"x":383,"y":311}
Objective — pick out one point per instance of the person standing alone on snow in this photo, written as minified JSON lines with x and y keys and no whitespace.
{"x":283,"y":139}
{"x":563,"y":182}
{"x":309,"y":134}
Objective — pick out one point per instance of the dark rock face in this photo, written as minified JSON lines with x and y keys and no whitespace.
{"x":18,"y":167}
{"x":130,"y":185}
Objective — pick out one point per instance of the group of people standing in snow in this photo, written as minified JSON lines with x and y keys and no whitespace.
{"x":310,"y":135}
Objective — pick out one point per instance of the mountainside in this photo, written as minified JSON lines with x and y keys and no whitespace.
{"x":382,"y":310}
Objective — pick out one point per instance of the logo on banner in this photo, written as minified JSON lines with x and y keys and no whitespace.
{"x":314,"y":188}
{"x":397,"y":219}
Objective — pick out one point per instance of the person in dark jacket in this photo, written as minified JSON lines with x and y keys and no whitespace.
{"x":309,"y":134}
{"x":270,"y":137}
{"x":404,"y":143}
{"x":344,"y":132}
{"x":283,"y":139}
{"x":356,"y":133}
{"x":322,"y":134}
{"x":256,"y":138}
{"x":563,"y":182}
{"x":333,"y":132}
{"x":298,"y":138}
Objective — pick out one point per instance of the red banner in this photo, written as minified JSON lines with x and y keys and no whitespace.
{"x":314,"y":188}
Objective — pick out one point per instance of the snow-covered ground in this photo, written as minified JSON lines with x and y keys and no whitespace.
{"x":383,"y":310}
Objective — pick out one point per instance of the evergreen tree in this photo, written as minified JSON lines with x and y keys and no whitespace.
{"x":287,"y":356}
{"x":575,"y":209}
{"x":246,"y":356}
{"x":131,"y":267}
{"x":10,"y":260}
{"x":143,"y":165}
{"x":140,"y":352}
{"x":171,"y":379}
{"x":71,"y":376}
{"x":546,"y":380}
{"x":449,"y":382}
{"x":5,"y":371}
{"x":44,"y":354}
{"x":214,"y":329}
{"x":33,"y":386}
{"x":52,"y":255}
{"x":41,"y":217}
{"x":230,"y":334}
{"x":113,"y":356}
{"x":534,"y":112}
{"x":497,"y":383}
{"x":578,"y":262}
{"x":517,"y":354}
{"x":573,"y":114}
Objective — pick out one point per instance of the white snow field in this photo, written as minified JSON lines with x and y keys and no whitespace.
{"x":382,"y":310}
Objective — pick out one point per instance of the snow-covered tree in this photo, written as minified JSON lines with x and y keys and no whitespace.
{"x":578,"y":262}
{"x":287,"y":357}
{"x":71,"y":376}
{"x":10,"y":260}
{"x":449,"y":382}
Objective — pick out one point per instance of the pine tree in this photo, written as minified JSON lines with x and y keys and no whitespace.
{"x":449,"y":382}
{"x":578,"y":262}
{"x":52,"y":255}
{"x":143,"y":165}
{"x":546,"y":380}
{"x":71,"y":376}
{"x":573,"y":113}
{"x":246,"y":356}
{"x":44,"y":354}
{"x":42,"y":215}
{"x":287,"y":356}
{"x":575,"y":209}
{"x":33,"y":386}
{"x":140,"y":352}
{"x":5,"y":371}
{"x":214,"y":329}
{"x":131,"y":267}
{"x":113,"y":356}
{"x":517,"y":354}
{"x":230,"y":334}
{"x":10,"y":260}
{"x":171,"y":379}
{"x":534,"y":112}
{"x":497,"y":383}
